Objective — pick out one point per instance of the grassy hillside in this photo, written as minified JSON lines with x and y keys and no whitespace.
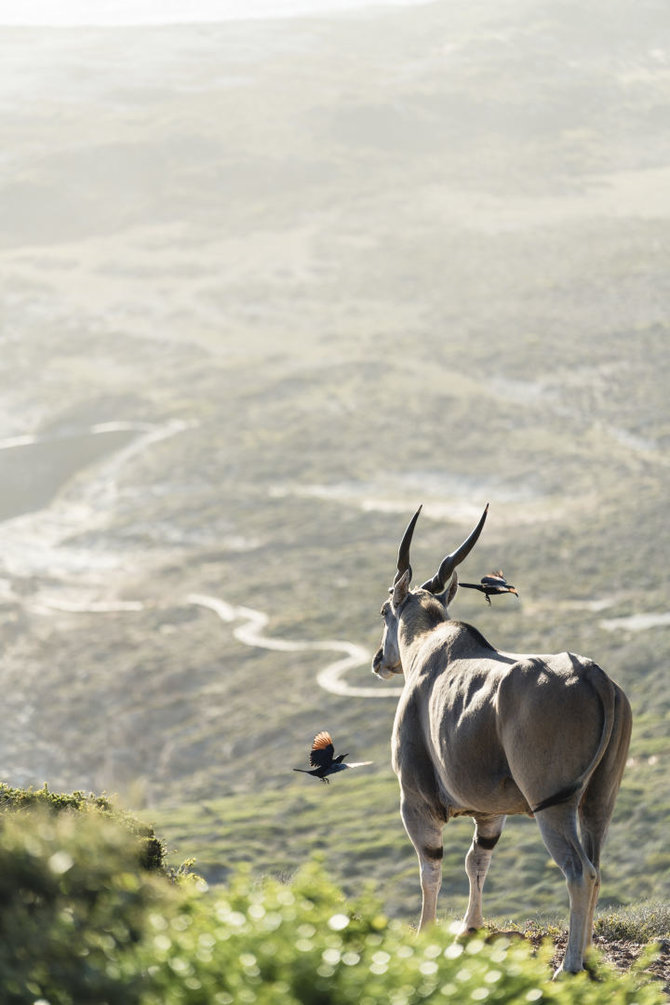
{"x":356,"y":830}
{"x":268,"y":286}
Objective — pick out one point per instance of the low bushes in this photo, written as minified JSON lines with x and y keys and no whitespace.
{"x":150,"y":849}
{"x":79,"y":922}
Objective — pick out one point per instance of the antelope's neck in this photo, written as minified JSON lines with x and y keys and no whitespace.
{"x":418,"y":637}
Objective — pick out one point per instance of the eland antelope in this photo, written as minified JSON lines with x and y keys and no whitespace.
{"x":484,"y":733}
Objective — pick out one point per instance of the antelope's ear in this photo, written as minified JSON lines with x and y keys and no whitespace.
{"x":400,"y":590}
{"x":453,"y":587}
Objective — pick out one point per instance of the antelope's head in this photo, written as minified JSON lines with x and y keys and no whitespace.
{"x":441,"y":588}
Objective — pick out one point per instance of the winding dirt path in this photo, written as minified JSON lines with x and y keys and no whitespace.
{"x":250,"y":632}
{"x":37,"y":538}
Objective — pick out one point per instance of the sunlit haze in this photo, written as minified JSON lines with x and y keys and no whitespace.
{"x":132,"y":12}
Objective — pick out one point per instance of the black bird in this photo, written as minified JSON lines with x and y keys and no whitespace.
{"x":492,"y":585}
{"x":322,"y":761}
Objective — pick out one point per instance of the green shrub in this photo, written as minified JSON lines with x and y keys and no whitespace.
{"x":151,"y":850}
{"x":73,"y":907}
{"x":80,"y":923}
{"x":303,"y":945}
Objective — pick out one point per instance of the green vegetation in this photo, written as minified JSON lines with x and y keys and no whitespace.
{"x":639,"y":922}
{"x":150,"y":849}
{"x":355,"y":825}
{"x":73,"y":910}
{"x":79,"y":922}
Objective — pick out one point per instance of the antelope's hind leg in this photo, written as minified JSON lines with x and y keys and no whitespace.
{"x":477,"y":861}
{"x":558,"y":826}
{"x":597,"y":805}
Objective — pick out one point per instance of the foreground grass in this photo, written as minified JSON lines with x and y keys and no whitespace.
{"x":80,"y":922}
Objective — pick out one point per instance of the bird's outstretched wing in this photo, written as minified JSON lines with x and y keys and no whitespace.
{"x":321,"y":754}
{"x":496,"y":581}
{"x":492,"y":585}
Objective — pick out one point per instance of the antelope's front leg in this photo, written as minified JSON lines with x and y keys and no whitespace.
{"x":425,"y":833}
{"x":477,"y":861}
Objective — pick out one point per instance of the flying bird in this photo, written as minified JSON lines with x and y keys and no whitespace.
{"x":322,"y":761}
{"x":492,"y":585}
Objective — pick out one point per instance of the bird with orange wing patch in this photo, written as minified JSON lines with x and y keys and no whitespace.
{"x":322,"y":760}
